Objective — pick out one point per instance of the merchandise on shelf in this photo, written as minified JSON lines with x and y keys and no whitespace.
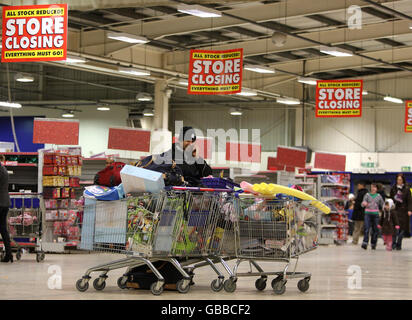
{"x":61,"y":172}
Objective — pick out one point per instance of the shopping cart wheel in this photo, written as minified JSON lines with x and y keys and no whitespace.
{"x":303,"y":285}
{"x":229,"y":285}
{"x":121,"y":282}
{"x":99,"y":283}
{"x":274,"y":281}
{"x":260,"y":284}
{"x":82,"y":285}
{"x":18,"y":255}
{"x":279,"y":287}
{"x":217,"y":285}
{"x":180,"y":285}
{"x":40,"y":256}
{"x":156,"y":292}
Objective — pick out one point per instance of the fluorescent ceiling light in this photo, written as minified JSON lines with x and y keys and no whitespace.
{"x":199,"y":11}
{"x":103,"y":108}
{"x":392,"y":99}
{"x":126,"y":37}
{"x":68,"y":114}
{"x":9,"y":104}
{"x":148,"y":113}
{"x":23,"y":77}
{"x":364,"y":92}
{"x":143,"y":96}
{"x":410,"y":26}
{"x":134,"y":71}
{"x":73,"y":59}
{"x":259,"y":69}
{"x":335,"y":51}
{"x":235,"y":112}
{"x":247,"y":93}
{"x":306,"y":80}
{"x":288,"y":100}
{"x":184,"y":82}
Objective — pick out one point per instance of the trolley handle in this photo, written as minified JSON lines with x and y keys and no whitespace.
{"x":201,"y":189}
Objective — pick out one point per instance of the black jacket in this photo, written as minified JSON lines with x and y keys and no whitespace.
{"x":4,"y":188}
{"x":192,"y":172}
{"x":388,"y":220}
{"x":358,"y":210}
{"x":403,"y":206}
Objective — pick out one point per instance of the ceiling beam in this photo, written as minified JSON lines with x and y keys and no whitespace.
{"x":335,"y":37}
{"x":259,"y":13}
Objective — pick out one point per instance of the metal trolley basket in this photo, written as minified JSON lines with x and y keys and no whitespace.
{"x":181,"y":227}
{"x":277,"y":230}
{"x":24,"y":225}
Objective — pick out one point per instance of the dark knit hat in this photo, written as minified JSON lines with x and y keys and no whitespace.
{"x":187,"y":133}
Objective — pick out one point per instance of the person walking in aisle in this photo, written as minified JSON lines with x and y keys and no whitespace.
{"x":358,"y":215}
{"x":401,"y":195}
{"x":4,"y":209}
{"x":373,"y":203}
{"x":388,"y":223}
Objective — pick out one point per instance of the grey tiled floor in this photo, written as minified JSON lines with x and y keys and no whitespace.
{"x":385,"y":275}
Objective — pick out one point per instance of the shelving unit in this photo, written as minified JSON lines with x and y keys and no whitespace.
{"x":332,"y":189}
{"x":22,"y":168}
{"x":308,"y":183}
{"x":59,"y":182}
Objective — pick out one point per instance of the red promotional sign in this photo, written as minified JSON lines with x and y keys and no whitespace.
{"x":339,"y":98}
{"x":215,"y":72}
{"x":330,"y":161}
{"x":293,"y":157}
{"x":129,"y":139}
{"x":243,"y":152}
{"x":56,"y":131}
{"x":204,"y":147}
{"x":34,"y":33}
{"x":408,"y":116}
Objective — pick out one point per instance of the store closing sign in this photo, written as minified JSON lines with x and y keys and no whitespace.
{"x":215,"y":72}
{"x":34,"y":33}
{"x":339,"y":98}
{"x":408,"y":116}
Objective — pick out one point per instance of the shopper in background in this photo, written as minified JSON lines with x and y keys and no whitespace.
{"x":358,"y":215}
{"x":388,"y":223}
{"x":373,"y":204}
{"x":4,"y":209}
{"x":381,"y":191}
{"x":350,"y":204}
{"x":401,"y":195}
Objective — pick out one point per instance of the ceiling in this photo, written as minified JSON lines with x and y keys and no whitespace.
{"x":381,"y":48}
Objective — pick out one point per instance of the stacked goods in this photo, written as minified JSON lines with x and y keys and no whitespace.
{"x":60,"y":179}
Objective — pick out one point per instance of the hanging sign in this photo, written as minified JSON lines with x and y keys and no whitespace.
{"x":339,"y":98}
{"x":408,"y":116}
{"x":34,"y":33}
{"x":56,"y":131}
{"x":215,"y":72}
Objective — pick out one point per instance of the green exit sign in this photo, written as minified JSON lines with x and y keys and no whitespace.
{"x":368,"y":164}
{"x":406,"y":168}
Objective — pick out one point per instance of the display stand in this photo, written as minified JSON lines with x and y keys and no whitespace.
{"x":59,"y":182}
{"x":333,"y":189}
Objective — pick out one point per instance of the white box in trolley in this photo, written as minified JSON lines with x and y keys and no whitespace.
{"x":135,"y":179}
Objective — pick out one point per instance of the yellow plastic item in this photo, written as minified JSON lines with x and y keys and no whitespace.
{"x":272,"y":189}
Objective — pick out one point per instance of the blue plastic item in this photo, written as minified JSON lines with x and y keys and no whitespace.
{"x":104,"y":193}
{"x":219,"y":183}
{"x":18,"y":203}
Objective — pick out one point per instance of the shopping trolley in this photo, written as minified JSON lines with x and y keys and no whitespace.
{"x":24,"y":225}
{"x":278,"y":230}
{"x":181,"y":227}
